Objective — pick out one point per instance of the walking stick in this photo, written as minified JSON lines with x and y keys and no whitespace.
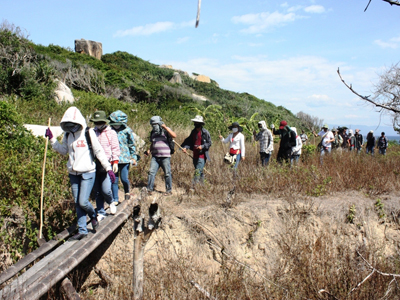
{"x":41,"y":240}
{"x":204,"y":169}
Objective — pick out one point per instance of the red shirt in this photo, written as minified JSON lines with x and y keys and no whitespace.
{"x":197,"y":142}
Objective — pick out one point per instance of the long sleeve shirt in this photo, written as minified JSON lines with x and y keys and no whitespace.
{"x":236,"y":143}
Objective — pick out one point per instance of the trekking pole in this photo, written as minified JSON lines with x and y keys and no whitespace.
{"x":204,"y":169}
{"x":41,"y":240}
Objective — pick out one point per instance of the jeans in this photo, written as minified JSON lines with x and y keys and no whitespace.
{"x":102,"y":191}
{"x":238,"y":157}
{"x":294,"y":159}
{"x":123,"y":171}
{"x":81,"y":186}
{"x":370,"y":149}
{"x":382,"y":151}
{"x":265,"y":158}
{"x":155,"y":164}
{"x":198,"y":173}
{"x":325,"y":150}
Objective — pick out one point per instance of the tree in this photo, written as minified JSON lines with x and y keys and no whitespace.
{"x":391,"y":2}
{"x":310,"y":122}
{"x":386,"y":94}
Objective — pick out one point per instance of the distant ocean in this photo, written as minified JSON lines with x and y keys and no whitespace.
{"x":392,"y":138}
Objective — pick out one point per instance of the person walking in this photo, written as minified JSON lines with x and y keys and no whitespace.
{"x":345,"y":137}
{"x":127,"y":145}
{"x":304,"y":137}
{"x":370,"y":143}
{"x":264,"y":136}
{"x":236,"y":143}
{"x":337,"y":143}
{"x":102,"y":186}
{"x":161,"y":148}
{"x":359,"y":141}
{"x":288,"y":140}
{"x":382,"y":144}
{"x":326,"y":139}
{"x":296,"y":150}
{"x":83,"y":147}
{"x":199,"y":141}
{"x":352,"y":140}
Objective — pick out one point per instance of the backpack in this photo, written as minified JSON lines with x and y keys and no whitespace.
{"x":382,"y":142}
{"x":170,"y":140}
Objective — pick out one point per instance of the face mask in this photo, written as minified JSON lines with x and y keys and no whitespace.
{"x":101,"y":127}
{"x":116,"y":127}
{"x":156,"y":129}
{"x":235,"y":130}
{"x":71,"y":127}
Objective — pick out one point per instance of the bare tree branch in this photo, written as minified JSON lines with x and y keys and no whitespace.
{"x":366,"y":98}
{"x":392,"y":2}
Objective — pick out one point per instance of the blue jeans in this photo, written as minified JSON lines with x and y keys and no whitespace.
{"x":238,"y":157}
{"x":370,"y":149}
{"x":155,"y":164}
{"x":382,"y":151}
{"x":199,"y":167}
{"x":265,"y":158}
{"x":294,"y":159}
{"x":102,"y":191}
{"x":81,"y":186}
{"x":123,"y":171}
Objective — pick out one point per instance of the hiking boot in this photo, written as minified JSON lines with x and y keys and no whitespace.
{"x":169,"y":193}
{"x":127,"y":196}
{"x":113,"y":208}
{"x":100,"y":218}
{"x":78,"y":237}
{"x":95,"y":223}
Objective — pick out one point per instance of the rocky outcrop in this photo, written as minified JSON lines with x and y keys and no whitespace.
{"x":176,"y":78}
{"x":165,"y":67}
{"x":199,"y":97}
{"x":203,"y":78}
{"x":63,"y":93}
{"x":92,"y":48}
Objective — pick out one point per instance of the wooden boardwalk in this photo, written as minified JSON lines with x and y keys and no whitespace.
{"x":57,"y":258}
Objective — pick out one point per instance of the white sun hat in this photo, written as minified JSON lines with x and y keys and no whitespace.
{"x":198,"y":119}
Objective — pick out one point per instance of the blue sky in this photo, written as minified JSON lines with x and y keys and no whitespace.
{"x":285,"y":52}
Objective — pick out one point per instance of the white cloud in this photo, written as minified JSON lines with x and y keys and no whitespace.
{"x":261,"y":22}
{"x":294,"y":8}
{"x":315,"y":9}
{"x":393,"y":43}
{"x":153,"y":28}
{"x":302,"y":83}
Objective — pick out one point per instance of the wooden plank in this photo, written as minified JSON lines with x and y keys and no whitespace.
{"x":57,"y":272}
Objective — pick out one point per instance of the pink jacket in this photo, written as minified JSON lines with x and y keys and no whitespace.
{"x":109,"y":141}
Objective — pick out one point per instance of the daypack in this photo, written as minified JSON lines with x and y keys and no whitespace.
{"x":170,"y":140}
{"x":382,"y":142}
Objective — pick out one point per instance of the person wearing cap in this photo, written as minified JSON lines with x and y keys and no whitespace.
{"x":161,"y":148}
{"x":264,"y":136}
{"x":337,"y":143}
{"x":288,"y":140}
{"x":236,"y":142}
{"x":370,"y":142}
{"x":102,"y":186}
{"x":199,"y":141}
{"x":82,"y":146}
{"x":359,"y":141}
{"x":127,"y":157}
{"x":382,"y":144}
{"x":326,"y":139}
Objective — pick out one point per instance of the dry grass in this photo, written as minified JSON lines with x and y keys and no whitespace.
{"x":276,"y":239}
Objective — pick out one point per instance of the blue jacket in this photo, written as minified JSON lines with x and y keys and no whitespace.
{"x":125,"y":137}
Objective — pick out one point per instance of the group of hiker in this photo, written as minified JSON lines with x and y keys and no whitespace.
{"x":99,"y":157}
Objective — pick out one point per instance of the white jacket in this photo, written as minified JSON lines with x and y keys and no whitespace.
{"x":80,"y":159}
{"x":236,"y":143}
{"x":296,"y":150}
